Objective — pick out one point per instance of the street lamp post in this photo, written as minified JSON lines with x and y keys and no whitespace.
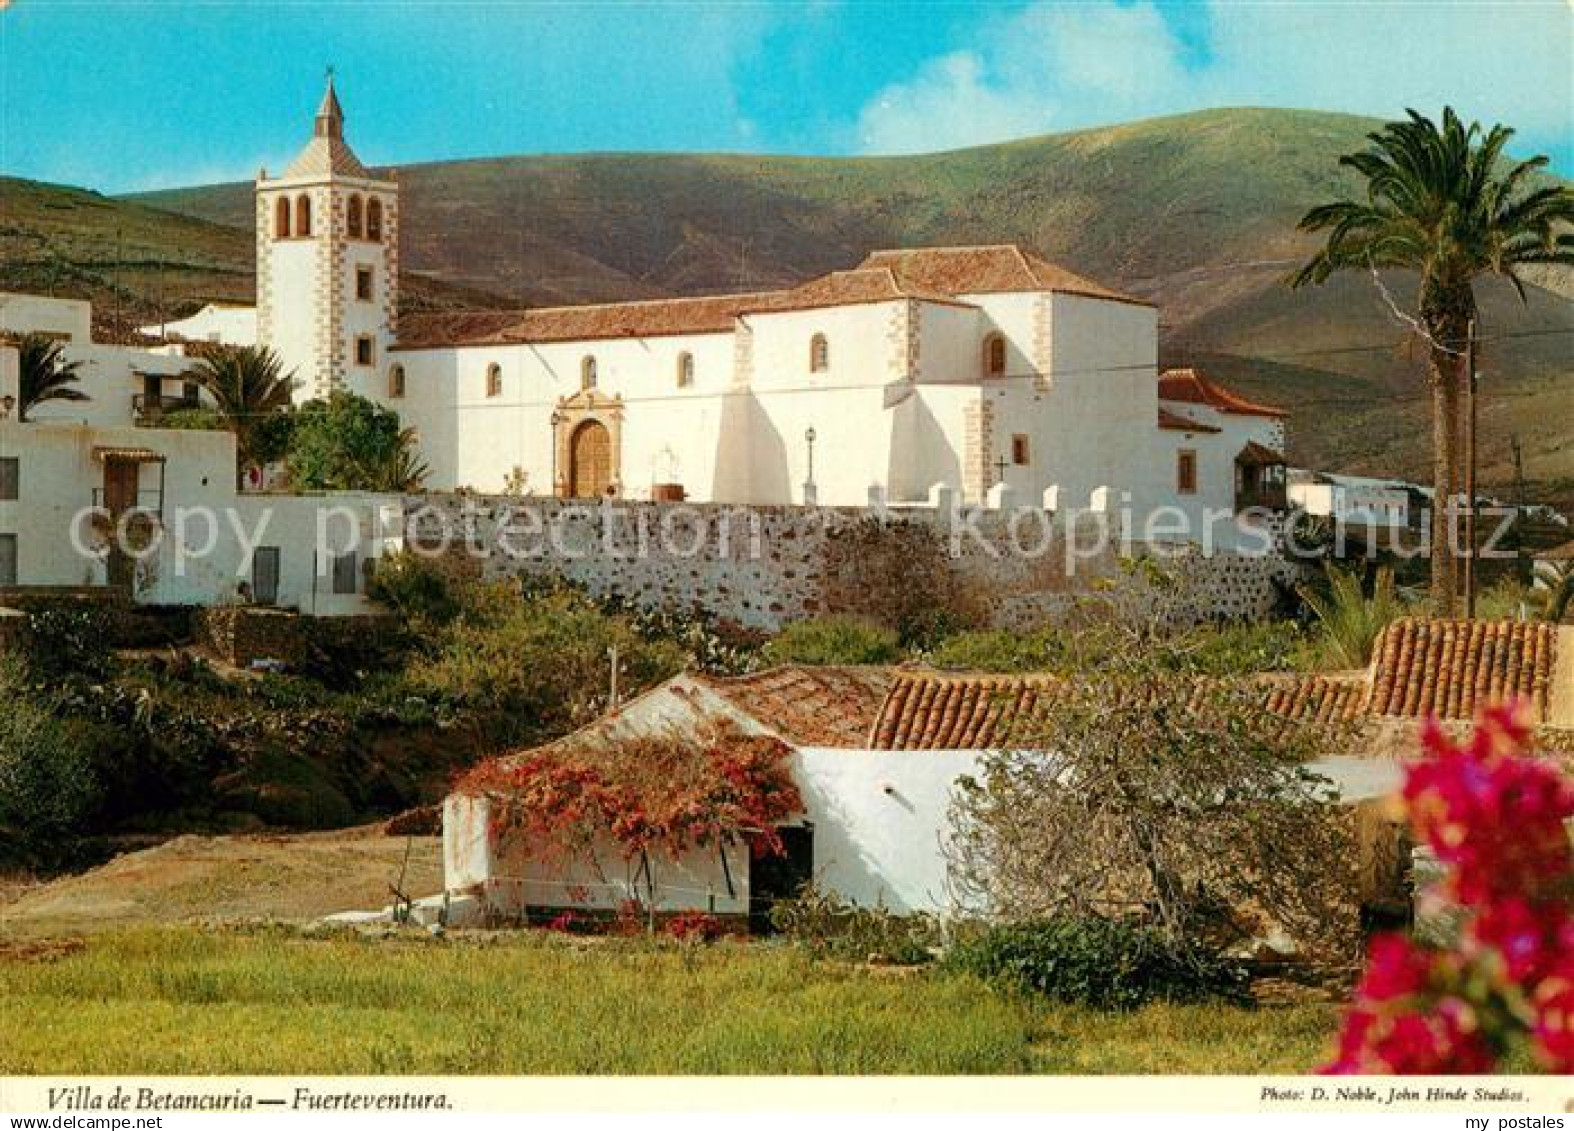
{"x":556,"y":420}
{"x":810,"y":492}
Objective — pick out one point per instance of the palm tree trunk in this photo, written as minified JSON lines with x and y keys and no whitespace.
{"x":1445,"y":484}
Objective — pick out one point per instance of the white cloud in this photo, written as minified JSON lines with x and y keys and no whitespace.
{"x":1053,"y":67}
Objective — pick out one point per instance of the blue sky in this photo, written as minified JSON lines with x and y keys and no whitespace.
{"x":127,"y":95}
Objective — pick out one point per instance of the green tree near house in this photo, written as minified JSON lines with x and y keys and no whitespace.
{"x":348,"y":443}
{"x":1443,"y":202}
{"x":251,"y":397}
{"x":45,"y":374}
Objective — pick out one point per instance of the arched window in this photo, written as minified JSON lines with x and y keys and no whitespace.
{"x":352,"y":218}
{"x":281,"y":218}
{"x":303,"y":215}
{"x":587,"y":373}
{"x":819,"y":354}
{"x":374,"y":219}
{"x":396,"y":381}
{"x":995,"y":355}
{"x":494,"y":380}
{"x":685,"y":369}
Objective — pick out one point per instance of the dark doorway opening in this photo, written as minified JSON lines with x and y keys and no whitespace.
{"x":773,"y":878}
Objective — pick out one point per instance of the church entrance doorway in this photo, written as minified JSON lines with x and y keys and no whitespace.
{"x":590,"y":461}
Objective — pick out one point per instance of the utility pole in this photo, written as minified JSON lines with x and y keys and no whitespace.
{"x":1470,"y":472}
{"x":120,"y":255}
{"x":612,"y":699}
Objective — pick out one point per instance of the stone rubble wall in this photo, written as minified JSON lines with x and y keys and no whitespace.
{"x":765,"y":566}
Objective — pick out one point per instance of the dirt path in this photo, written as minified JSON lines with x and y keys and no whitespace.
{"x":190,"y":878}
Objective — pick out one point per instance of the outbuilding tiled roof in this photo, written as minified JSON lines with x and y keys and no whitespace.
{"x":933,"y":711}
{"x":990,"y":269}
{"x":809,"y":706}
{"x":1449,"y":668}
{"x":1320,"y":698}
{"x":1187,"y":386}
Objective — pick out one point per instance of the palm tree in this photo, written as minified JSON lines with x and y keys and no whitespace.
{"x":402,"y":470}
{"x":1444,"y":203}
{"x":248,"y":387}
{"x":45,"y":374}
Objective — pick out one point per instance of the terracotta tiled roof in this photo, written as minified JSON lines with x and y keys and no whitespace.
{"x":809,"y":706}
{"x":1320,"y":698}
{"x":1187,"y":386}
{"x":1175,"y":422}
{"x":713,"y":314}
{"x":931,"y":711}
{"x":849,"y":288}
{"x":1449,"y":668}
{"x":1259,"y":454}
{"x":996,"y":269}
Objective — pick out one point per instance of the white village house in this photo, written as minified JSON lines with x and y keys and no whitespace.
{"x":877,"y":752}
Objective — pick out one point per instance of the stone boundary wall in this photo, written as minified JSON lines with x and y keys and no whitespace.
{"x":764,"y":566}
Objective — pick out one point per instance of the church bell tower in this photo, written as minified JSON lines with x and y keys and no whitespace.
{"x":328,"y":264}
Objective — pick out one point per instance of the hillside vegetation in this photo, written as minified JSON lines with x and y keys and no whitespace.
{"x":1196,"y":212}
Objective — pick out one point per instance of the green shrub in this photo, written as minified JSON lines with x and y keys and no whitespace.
{"x":424,"y":591}
{"x":834,"y":640}
{"x":999,"y":650}
{"x":829,"y":926}
{"x":1103,"y":963}
{"x":535,"y":669}
{"x":1349,"y":622}
{"x":70,"y":640}
{"x":48,"y":786}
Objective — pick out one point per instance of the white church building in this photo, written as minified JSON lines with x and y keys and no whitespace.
{"x":967,"y":368}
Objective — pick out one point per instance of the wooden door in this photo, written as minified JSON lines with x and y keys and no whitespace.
{"x":590,"y":460}
{"x":120,"y":485}
{"x":265,"y":575}
{"x":773,"y":877}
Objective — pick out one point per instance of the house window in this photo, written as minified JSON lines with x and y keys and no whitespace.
{"x":190,"y":394}
{"x":1186,"y":472}
{"x":346,"y":575}
{"x":363,"y":284}
{"x":587,"y":373}
{"x":352,"y":218}
{"x":281,"y":218}
{"x":374,"y":219}
{"x":1019,"y":450}
{"x":303,"y":215}
{"x":363,"y":350}
{"x":10,"y":479}
{"x":494,"y":380}
{"x":396,"y":381}
{"x":8,"y":566}
{"x":685,"y":370}
{"x":995,"y":355}
{"x":819,"y":354}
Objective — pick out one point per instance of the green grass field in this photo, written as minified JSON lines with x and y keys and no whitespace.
{"x":194,"y":1002}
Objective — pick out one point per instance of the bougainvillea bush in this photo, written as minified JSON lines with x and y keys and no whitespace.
{"x":1497,"y":819}
{"x":660,"y":793}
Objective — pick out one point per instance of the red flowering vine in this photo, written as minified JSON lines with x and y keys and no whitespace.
{"x":1497,"y":818}
{"x":664,"y":793}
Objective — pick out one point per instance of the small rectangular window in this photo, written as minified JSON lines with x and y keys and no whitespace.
{"x":1186,"y":472}
{"x":8,"y":567}
{"x":363,"y":284}
{"x":363,"y":351}
{"x":1019,"y":450}
{"x":345,"y":575}
{"x":10,"y":479}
